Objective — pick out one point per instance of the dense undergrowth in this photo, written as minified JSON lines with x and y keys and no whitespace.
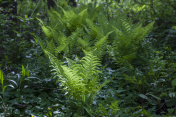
{"x":99,"y":59}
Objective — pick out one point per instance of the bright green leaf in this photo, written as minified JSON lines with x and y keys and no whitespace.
{"x":27,"y":73}
{"x":23,"y":71}
{"x":1,"y":77}
{"x":26,"y":16}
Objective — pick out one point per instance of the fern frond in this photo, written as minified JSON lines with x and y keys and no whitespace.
{"x":47,"y":31}
{"x":63,"y":42}
{"x":101,"y":44}
{"x":68,"y":15}
{"x":51,"y":47}
{"x":95,"y":31}
{"x":90,"y":63}
{"x":72,"y":82}
{"x":120,"y":35}
{"x":146,"y":30}
{"x":83,"y":43}
{"x":81,"y":17}
{"x":126,"y":25}
{"x":56,"y":64}
{"x":128,"y":40}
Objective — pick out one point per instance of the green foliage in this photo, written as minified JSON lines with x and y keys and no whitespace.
{"x":4,"y":86}
{"x":101,"y":111}
{"x":174,"y":83}
{"x":72,"y":33}
{"x":79,"y":80}
{"x":30,"y":8}
{"x":114,"y":107}
{"x":21,"y":80}
{"x":108,"y":109}
{"x":127,"y":42}
{"x":139,"y":64}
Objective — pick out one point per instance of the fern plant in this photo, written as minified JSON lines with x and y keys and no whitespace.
{"x":79,"y":79}
{"x":127,"y":42}
{"x":69,"y":32}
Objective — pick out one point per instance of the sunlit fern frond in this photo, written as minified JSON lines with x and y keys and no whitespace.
{"x":90,"y":63}
{"x":56,"y":64}
{"x":48,"y":31}
{"x":78,"y":79}
{"x":72,"y":82}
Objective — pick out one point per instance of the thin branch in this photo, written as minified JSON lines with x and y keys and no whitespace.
{"x":35,"y":8}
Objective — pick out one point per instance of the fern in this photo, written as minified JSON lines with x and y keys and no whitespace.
{"x":51,"y":47}
{"x":79,"y":80}
{"x":68,"y":32}
{"x":94,"y":31}
{"x":48,"y":31}
{"x":125,"y":47}
{"x":83,"y":43}
{"x":56,"y":64}
{"x":101,"y":45}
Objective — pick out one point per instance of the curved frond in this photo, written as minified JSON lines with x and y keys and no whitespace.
{"x":56,"y":64}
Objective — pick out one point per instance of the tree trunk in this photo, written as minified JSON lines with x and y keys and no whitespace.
{"x":50,"y":3}
{"x":73,"y":3}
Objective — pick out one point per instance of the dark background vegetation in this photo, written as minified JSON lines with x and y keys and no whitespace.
{"x":143,"y":87}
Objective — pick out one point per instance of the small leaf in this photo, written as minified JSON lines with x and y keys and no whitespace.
{"x":4,"y":89}
{"x":7,"y":86}
{"x":26,"y":16}
{"x":33,"y":78}
{"x":16,"y":111}
{"x":23,"y":71}
{"x":120,"y":91}
{"x":154,"y":96}
{"x":49,"y":114}
{"x":27,"y":73}
{"x":1,"y":77}
{"x":10,"y":86}
{"x":174,"y":83}
{"x":143,"y":96}
{"x":14,"y":82}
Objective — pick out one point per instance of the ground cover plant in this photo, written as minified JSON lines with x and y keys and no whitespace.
{"x":87,"y":58}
